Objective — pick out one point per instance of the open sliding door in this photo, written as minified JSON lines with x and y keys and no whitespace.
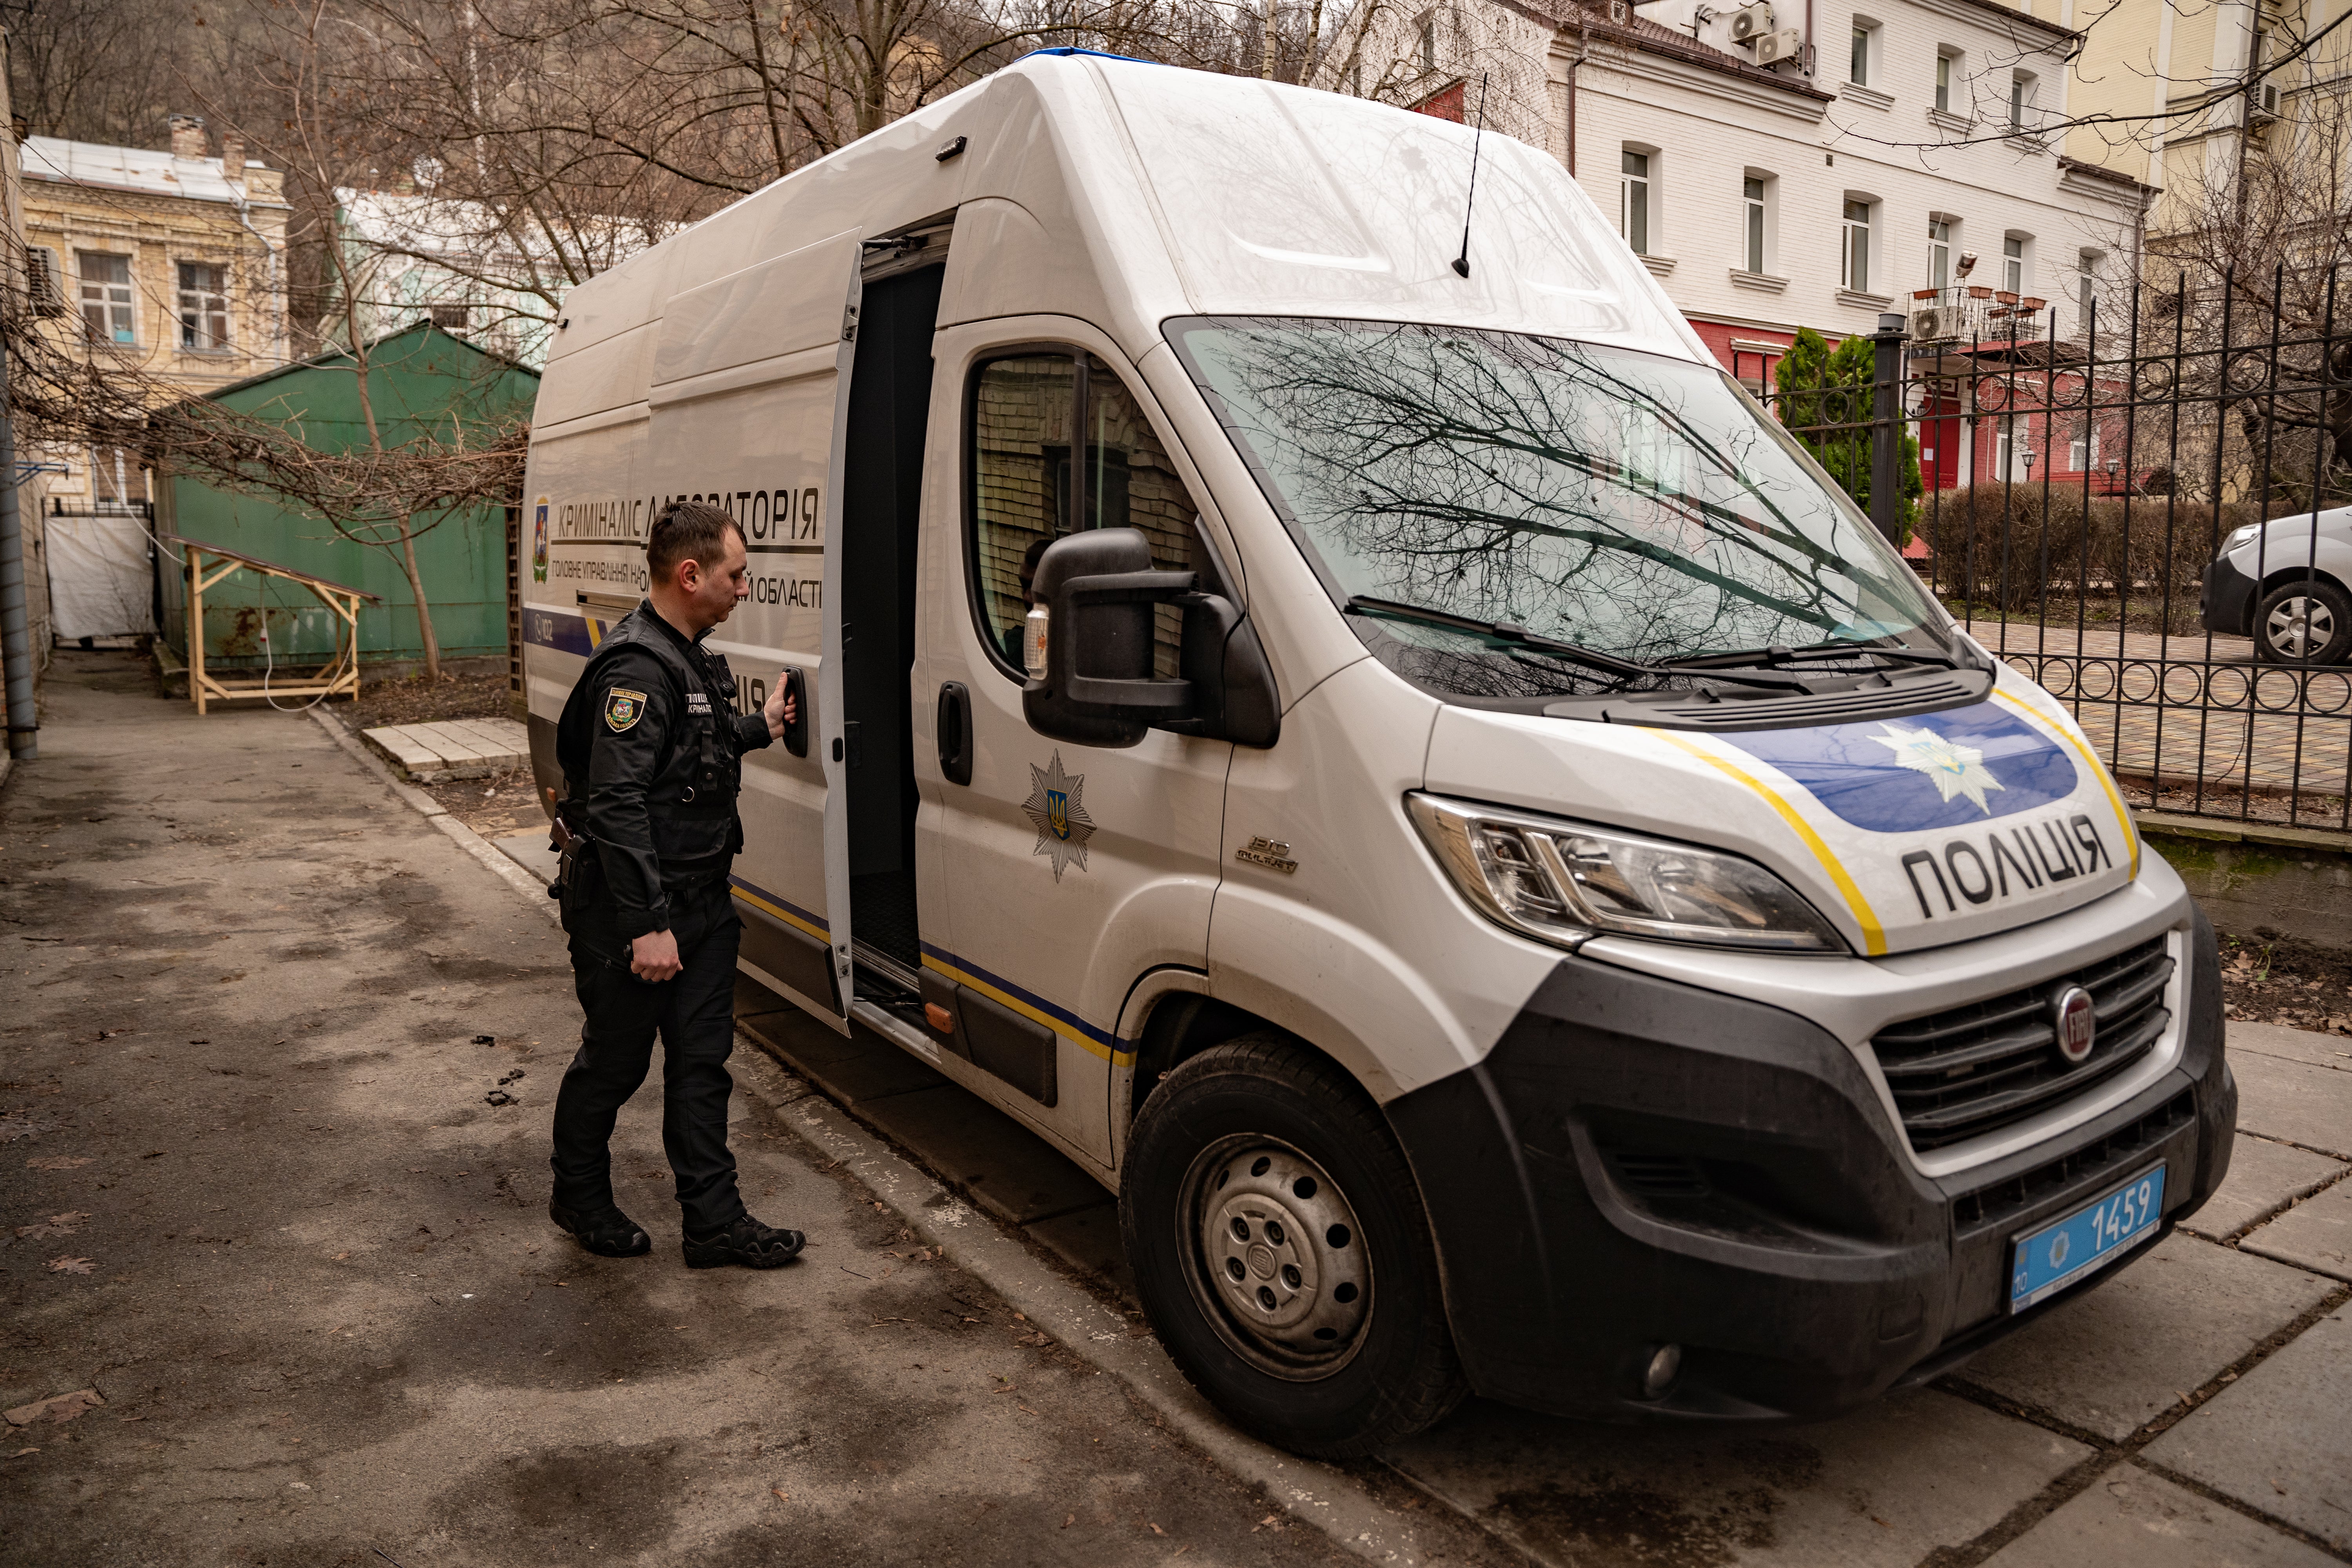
{"x":749,"y":397}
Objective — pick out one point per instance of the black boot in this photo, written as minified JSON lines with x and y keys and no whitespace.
{"x":747,"y":1242}
{"x":608,"y":1233}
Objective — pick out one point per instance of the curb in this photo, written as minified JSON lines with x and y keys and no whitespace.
{"x":433,"y":811}
{"x":1330,"y":1499}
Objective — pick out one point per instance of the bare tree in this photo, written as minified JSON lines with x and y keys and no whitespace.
{"x":99,"y":70}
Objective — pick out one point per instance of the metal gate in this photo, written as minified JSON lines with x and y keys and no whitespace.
{"x":2062,"y":485}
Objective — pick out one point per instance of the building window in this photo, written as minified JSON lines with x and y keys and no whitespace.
{"x":1946,"y":68}
{"x":42,"y":287}
{"x":1634,"y":201}
{"x":1858,"y":71}
{"x":117,"y":482}
{"x":1428,"y":28}
{"x":2020,"y":102}
{"x":204,"y":306}
{"x":2012,"y":264}
{"x":452,"y":318}
{"x":1751,"y":190}
{"x":2087,"y":289}
{"x":2083,"y":456}
{"x":1853,"y":255}
{"x":106,"y":305}
{"x":1940,"y":253}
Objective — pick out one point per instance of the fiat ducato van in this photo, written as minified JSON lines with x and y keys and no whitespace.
{"x":1366,"y":739}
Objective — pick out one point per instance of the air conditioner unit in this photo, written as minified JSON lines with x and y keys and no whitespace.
{"x":1934,"y":325}
{"x":1771,"y":48}
{"x":1749,"y":21}
{"x":2266,"y":101}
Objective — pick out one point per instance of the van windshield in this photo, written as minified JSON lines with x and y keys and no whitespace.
{"x":1639,"y":508}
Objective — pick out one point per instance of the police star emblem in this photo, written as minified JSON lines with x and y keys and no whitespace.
{"x":622,"y":708}
{"x":1056,"y":805}
{"x":1952,"y":768}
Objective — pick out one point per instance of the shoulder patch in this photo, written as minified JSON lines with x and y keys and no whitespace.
{"x":622,"y":708}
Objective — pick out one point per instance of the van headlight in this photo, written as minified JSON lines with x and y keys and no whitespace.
{"x":1563,"y":882}
{"x":2239,"y":536}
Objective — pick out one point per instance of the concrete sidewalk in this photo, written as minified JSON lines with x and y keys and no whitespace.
{"x":261,"y":1201}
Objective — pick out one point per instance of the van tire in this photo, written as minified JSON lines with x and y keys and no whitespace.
{"x":1393,"y":1370}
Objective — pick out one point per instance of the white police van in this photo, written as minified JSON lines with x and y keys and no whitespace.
{"x":1398,"y":767}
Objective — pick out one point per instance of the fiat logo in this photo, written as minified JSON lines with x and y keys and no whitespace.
{"x":2077,"y":1017}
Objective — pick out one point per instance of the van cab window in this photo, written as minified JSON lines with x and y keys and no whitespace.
{"x":1469,"y":496}
{"x":1059,"y":444}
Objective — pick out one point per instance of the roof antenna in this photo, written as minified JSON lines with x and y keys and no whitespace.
{"x":1462,"y":262}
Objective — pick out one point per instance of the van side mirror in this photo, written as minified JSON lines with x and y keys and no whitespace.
{"x":1233,"y":695}
{"x":1098,"y":590}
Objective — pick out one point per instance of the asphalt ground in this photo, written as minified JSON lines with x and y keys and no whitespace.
{"x":257,"y":1200}
{"x":329,"y":1324}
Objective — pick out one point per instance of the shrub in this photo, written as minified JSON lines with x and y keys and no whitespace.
{"x":2015,"y":547}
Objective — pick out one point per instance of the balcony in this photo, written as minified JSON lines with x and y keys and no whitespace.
{"x":1949,"y":330}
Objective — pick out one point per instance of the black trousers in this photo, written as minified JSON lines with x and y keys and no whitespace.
{"x":694,"y":1013}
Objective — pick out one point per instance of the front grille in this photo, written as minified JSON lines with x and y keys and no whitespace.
{"x":1969,"y":1070}
{"x":2110,"y":1157}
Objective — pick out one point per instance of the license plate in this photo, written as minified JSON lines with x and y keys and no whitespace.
{"x":2047,"y":1260}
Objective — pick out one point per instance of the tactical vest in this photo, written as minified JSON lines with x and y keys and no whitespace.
{"x":691,"y":801}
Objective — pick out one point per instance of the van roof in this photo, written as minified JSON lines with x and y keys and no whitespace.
{"x":1127,"y":193}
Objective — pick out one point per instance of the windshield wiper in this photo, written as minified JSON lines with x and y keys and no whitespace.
{"x":1819,"y":652}
{"x":1552,"y":648}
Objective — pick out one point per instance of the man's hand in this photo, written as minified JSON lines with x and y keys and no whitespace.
{"x":782,"y":708}
{"x":653,"y":956}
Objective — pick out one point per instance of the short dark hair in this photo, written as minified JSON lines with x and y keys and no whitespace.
{"x":686,"y":531}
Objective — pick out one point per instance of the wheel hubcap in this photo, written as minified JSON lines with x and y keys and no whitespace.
{"x":1276,"y":1258}
{"x":2299,"y":628}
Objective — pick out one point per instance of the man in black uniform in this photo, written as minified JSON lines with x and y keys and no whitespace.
{"x":649,"y":744}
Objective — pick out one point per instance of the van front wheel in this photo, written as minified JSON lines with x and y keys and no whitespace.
{"x":1282,"y":1251}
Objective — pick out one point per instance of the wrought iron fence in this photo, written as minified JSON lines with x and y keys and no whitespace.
{"x":2066,"y":488}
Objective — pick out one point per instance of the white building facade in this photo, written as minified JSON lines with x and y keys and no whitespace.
{"x":493,"y":278}
{"x":1881,"y":146}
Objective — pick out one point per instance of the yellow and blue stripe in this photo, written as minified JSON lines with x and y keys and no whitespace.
{"x":792,"y":914}
{"x":1029,"y":1004}
{"x":1874,"y":935}
{"x":562,"y":631}
{"x":1096,"y":1042}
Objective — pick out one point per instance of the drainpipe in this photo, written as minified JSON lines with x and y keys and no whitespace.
{"x":15,"y":639}
{"x":1584,"y":47}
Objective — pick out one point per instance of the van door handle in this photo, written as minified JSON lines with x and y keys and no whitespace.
{"x":955,"y":732}
{"x":796,"y":734}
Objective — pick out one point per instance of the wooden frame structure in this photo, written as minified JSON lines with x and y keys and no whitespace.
{"x":339,"y":676}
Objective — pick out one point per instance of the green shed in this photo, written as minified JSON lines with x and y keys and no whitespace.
{"x":420,"y":378}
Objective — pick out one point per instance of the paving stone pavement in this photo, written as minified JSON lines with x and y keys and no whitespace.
{"x":2049,"y":1450}
{"x":2132,"y":1515}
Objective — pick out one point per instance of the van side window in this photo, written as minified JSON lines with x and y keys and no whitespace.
{"x":1059,"y":444}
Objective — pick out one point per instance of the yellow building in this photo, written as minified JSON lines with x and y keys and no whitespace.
{"x":171,"y":264}
{"x":2166,"y":91}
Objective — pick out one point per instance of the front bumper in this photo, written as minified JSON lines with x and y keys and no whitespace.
{"x":1639,"y":1163}
{"x":2225,"y":601}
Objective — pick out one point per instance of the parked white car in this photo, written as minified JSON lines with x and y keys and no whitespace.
{"x":2284,"y":584}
